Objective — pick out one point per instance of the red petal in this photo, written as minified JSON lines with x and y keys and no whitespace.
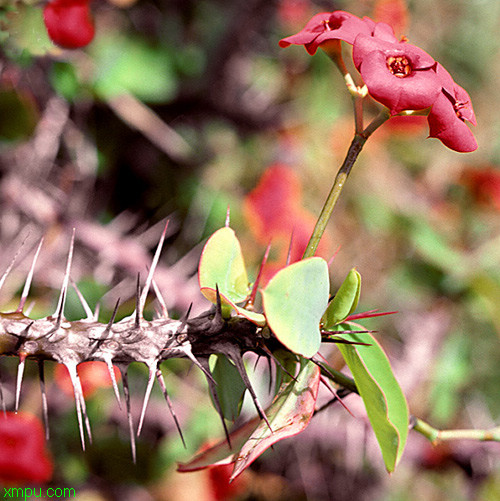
{"x":69,"y":23}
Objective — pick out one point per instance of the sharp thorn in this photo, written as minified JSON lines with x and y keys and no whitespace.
{"x":9,"y":268}
{"x":213,"y":390}
{"x":278,"y":362}
{"x":290,"y":246}
{"x":159,"y":297}
{"x":236,"y":358}
{"x":184,"y":321}
{"x":29,"y":279}
{"x":111,"y":371}
{"x":149,"y":387}
{"x":126,"y":392}
{"x":154,"y":263}
{"x":19,"y":381}
{"x":138,"y":315}
{"x":77,"y":390}
{"x":163,"y":387}
{"x":336,"y":395}
{"x":62,"y":297}
{"x":187,"y":350}
{"x":228,"y":216}
{"x":253,"y":294}
{"x":45,"y":408}
{"x":111,"y":320}
{"x":83,"y":302}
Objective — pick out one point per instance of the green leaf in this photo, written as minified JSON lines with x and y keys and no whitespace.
{"x":230,"y":386}
{"x":294,"y":301}
{"x":222,"y":266}
{"x":383,"y":398}
{"x":288,"y":415}
{"x":126,"y":64}
{"x":345,"y":301}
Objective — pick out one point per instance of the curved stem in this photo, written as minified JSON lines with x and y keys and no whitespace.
{"x":340,"y":179}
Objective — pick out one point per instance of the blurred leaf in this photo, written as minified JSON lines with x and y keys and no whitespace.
{"x":19,"y":114}
{"x":384,"y":401}
{"x":125,"y":64}
{"x":64,"y":80}
{"x":289,"y":414}
{"x":294,"y":301}
{"x":230,"y":386}
{"x":344,"y":302}
{"x":27,"y":30}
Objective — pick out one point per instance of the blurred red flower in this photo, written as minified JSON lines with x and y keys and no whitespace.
{"x":69,"y":23}
{"x":275,"y":214}
{"x":93,"y":375}
{"x":484,"y":185}
{"x":24,"y":458}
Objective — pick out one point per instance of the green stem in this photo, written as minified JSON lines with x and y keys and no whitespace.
{"x":340,"y":179}
{"x":436,"y":436}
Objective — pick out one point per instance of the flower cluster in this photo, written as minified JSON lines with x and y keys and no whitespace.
{"x":69,"y":23}
{"x":397,"y":74}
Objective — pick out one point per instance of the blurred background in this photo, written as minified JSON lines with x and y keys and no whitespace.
{"x":176,"y":110}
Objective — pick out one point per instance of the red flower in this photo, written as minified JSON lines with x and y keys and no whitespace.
{"x":69,"y":23}
{"x":449,"y":113}
{"x":338,"y":25}
{"x":24,"y":458}
{"x":397,"y":74}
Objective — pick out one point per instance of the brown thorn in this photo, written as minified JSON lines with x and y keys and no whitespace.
{"x":278,"y":362}
{"x":137,"y":302}
{"x":253,"y":294}
{"x":126,"y":391}
{"x":184,"y":321}
{"x":29,"y":278}
{"x":62,"y":296}
{"x":163,"y":387}
{"x":213,"y":390}
{"x":19,"y":381}
{"x":142,"y":302}
{"x":149,"y":387}
{"x":45,"y":408}
{"x":236,"y":358}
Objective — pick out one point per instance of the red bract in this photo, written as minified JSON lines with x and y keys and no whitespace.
{"x":93,"y":375}
{"x":24,"y":458}
{"x":338,"y":25}
{"x":397,"y":74}
{"x":69,"y":23}
{"x":449,"y":113}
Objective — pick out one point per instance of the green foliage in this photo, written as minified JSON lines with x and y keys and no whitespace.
{"x":383,"y":398}
{"x":230,"y":387}
{"x":344,"y":302}
{"x":294,"y":301}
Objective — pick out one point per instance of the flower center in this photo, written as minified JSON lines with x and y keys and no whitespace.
{"x":399,"y":66}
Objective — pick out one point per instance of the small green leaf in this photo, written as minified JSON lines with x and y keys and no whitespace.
{"x":222,"y":266}
{"x":294,"y":301}
{"x":383,"y":398}
{"x":289,"y":414}
{"x":230,"y":386}
{"x":345,"y":301}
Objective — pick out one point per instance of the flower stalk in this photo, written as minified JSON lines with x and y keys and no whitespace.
{"x":355,"y":148}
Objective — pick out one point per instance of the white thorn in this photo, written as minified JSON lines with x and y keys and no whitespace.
{"x":62,"y":296}
{"x":151,"y":380}
{"x":29,"y":278}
